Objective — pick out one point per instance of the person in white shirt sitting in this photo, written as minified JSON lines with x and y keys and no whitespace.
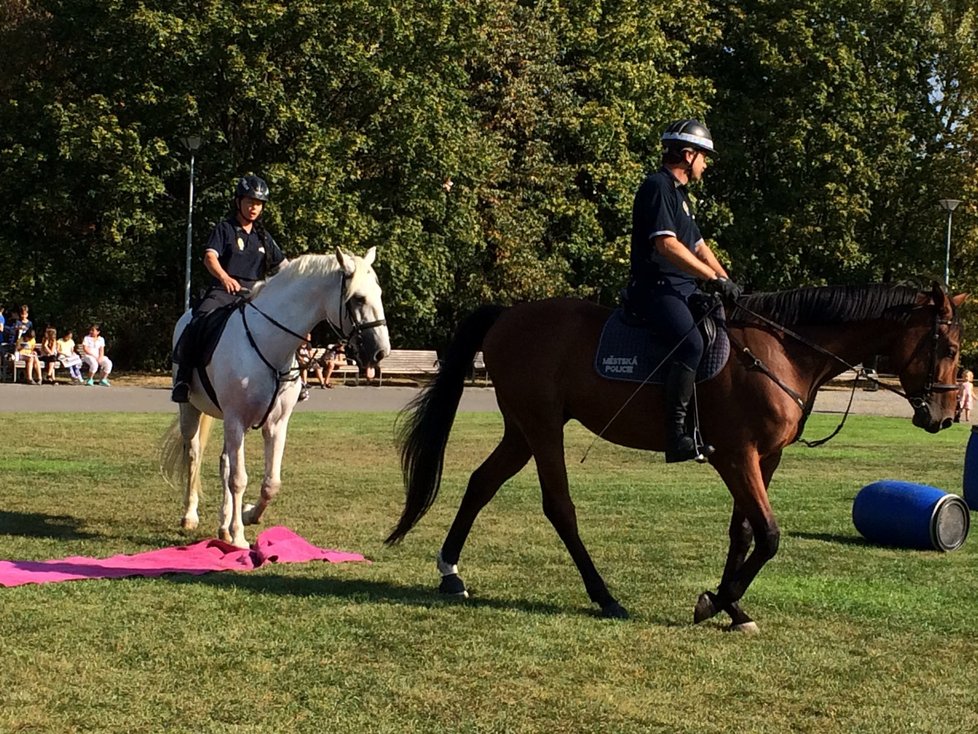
{"x":94,"y":356}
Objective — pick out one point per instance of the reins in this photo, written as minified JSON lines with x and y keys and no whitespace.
{"x":755,"y":363}
{"x":759,"y":365}
{"x":292,"y":373}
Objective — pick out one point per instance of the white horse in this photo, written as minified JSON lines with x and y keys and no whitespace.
{"x":255,"y":378}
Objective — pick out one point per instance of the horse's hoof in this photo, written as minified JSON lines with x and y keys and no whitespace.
{"x":452,"y":585}
{"x":224,"y":535}
{"x":614,"y":611}
{"x":248,"y":515}
{"x":188,"y":524}
{"x":705,"y":607}
{"x":747,"y":628}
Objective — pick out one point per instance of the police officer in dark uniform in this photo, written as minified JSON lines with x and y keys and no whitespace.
{"x":239,"y":253}
{"x":668,"y":256}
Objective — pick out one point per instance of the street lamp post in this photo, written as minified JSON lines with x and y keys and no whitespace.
{"x":192,"y":144}
{"x":948,"y":205}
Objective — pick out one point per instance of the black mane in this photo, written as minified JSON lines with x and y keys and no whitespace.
{"x":831,"y":304}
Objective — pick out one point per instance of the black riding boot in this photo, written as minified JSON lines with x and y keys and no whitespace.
{"x":181,"y":384}
{"x":185,"y":370}
{"x":680,"y":446}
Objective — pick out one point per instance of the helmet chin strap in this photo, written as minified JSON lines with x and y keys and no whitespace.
{"x":688,"y":167}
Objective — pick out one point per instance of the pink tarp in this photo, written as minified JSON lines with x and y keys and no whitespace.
{"x":275,"y":545}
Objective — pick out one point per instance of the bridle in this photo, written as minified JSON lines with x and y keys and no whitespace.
{"x":356,"y":327}
{"x":917,"y":401}
{"x":292,"y":373}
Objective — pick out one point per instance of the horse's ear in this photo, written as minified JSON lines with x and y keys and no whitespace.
{"x":345,"y":261}
{"x":959,"y":299}
{"x":371,"y":255}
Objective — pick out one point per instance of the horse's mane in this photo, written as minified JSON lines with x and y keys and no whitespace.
{"x":300,"y":267}
{"x":831,"y":304}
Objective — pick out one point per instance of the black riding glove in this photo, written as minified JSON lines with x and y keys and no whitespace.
{"x":725,"y":287}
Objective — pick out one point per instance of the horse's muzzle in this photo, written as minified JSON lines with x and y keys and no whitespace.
{"x":924,"y":417}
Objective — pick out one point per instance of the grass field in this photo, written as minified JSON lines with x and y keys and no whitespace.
{"x":854,"y":638}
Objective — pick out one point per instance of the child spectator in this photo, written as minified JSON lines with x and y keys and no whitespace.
{"x":68,"y":357}
{"x":94,"y":356}
{"x":26,"y":350}
{"x":966,"y":397}
{"x":49,"y":354}
{"x":20,"y":326}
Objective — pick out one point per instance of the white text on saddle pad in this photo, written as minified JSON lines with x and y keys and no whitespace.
{"x":619,"y":365}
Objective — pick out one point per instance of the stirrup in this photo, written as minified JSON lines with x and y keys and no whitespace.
{"x":688,"y":449}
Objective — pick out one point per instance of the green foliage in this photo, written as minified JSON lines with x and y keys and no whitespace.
{"x":491,"y":149}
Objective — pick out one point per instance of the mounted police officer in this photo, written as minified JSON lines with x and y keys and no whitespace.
{"x":668,"y":256}
{"x":239,"y":253}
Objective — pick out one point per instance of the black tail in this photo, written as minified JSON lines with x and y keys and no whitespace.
{"x":427,"y":420}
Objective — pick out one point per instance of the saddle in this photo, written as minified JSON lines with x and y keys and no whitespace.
{"x":200,"y":337}
{"x":629,"y":348}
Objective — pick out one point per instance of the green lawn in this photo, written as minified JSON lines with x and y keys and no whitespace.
{"x":854,"y":638}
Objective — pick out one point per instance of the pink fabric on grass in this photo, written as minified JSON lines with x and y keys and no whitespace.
{"x":275,"y":545}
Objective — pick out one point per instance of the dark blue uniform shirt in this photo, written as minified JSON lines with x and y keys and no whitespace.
{"x":242,"y":254}
{"x":662,"y":208}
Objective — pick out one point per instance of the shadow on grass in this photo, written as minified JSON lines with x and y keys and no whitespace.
{"x":832,"y":538}
{"x":379,"y":592}
{"x":383,"y":592}
{"x":37,"y":525}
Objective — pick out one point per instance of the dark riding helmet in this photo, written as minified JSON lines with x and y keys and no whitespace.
{"x":689,"y":134}
{"x":253,"y":187}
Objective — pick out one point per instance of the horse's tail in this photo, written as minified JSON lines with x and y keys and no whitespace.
{"x":428,"y":418}
{"x":174,"y":460}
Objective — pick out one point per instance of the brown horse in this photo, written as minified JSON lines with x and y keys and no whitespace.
{"x":804,"y":338}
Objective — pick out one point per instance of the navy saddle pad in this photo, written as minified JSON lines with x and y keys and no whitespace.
{"x":630,"y":353}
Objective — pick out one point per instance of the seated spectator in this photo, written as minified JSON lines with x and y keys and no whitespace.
{"x":68,"y":357}
{"x":49,"y":354}
{"x":94,"y":356}
{"x":20,"y":326}
{"x":27,"y":351}
{"x":334,"y":357}
{"x":306,"y":358}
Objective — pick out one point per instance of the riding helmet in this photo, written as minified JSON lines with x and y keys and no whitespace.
{"x":689,"y":133}
{"x":253,"y":187}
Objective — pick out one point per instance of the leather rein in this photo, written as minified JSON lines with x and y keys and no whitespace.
{"x":916,"y":401}
{"x":292,"y":373}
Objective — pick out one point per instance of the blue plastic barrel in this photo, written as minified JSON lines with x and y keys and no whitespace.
{"x":908,"y":515}
{"x":971,"y":470}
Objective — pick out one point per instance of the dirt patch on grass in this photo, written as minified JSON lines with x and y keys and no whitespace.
{"x":161,"y":380}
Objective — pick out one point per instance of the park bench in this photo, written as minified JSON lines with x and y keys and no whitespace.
{"x":11,"y":363}
{"x":341,"y":368}
{"x":411,"y":363}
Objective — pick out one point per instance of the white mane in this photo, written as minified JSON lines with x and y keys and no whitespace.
{"x":301,"y":267}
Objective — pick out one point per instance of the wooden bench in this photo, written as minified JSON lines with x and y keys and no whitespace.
{"x":341,"y":368}
{"x":12,"y":362}
{"x":409,"y":363}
